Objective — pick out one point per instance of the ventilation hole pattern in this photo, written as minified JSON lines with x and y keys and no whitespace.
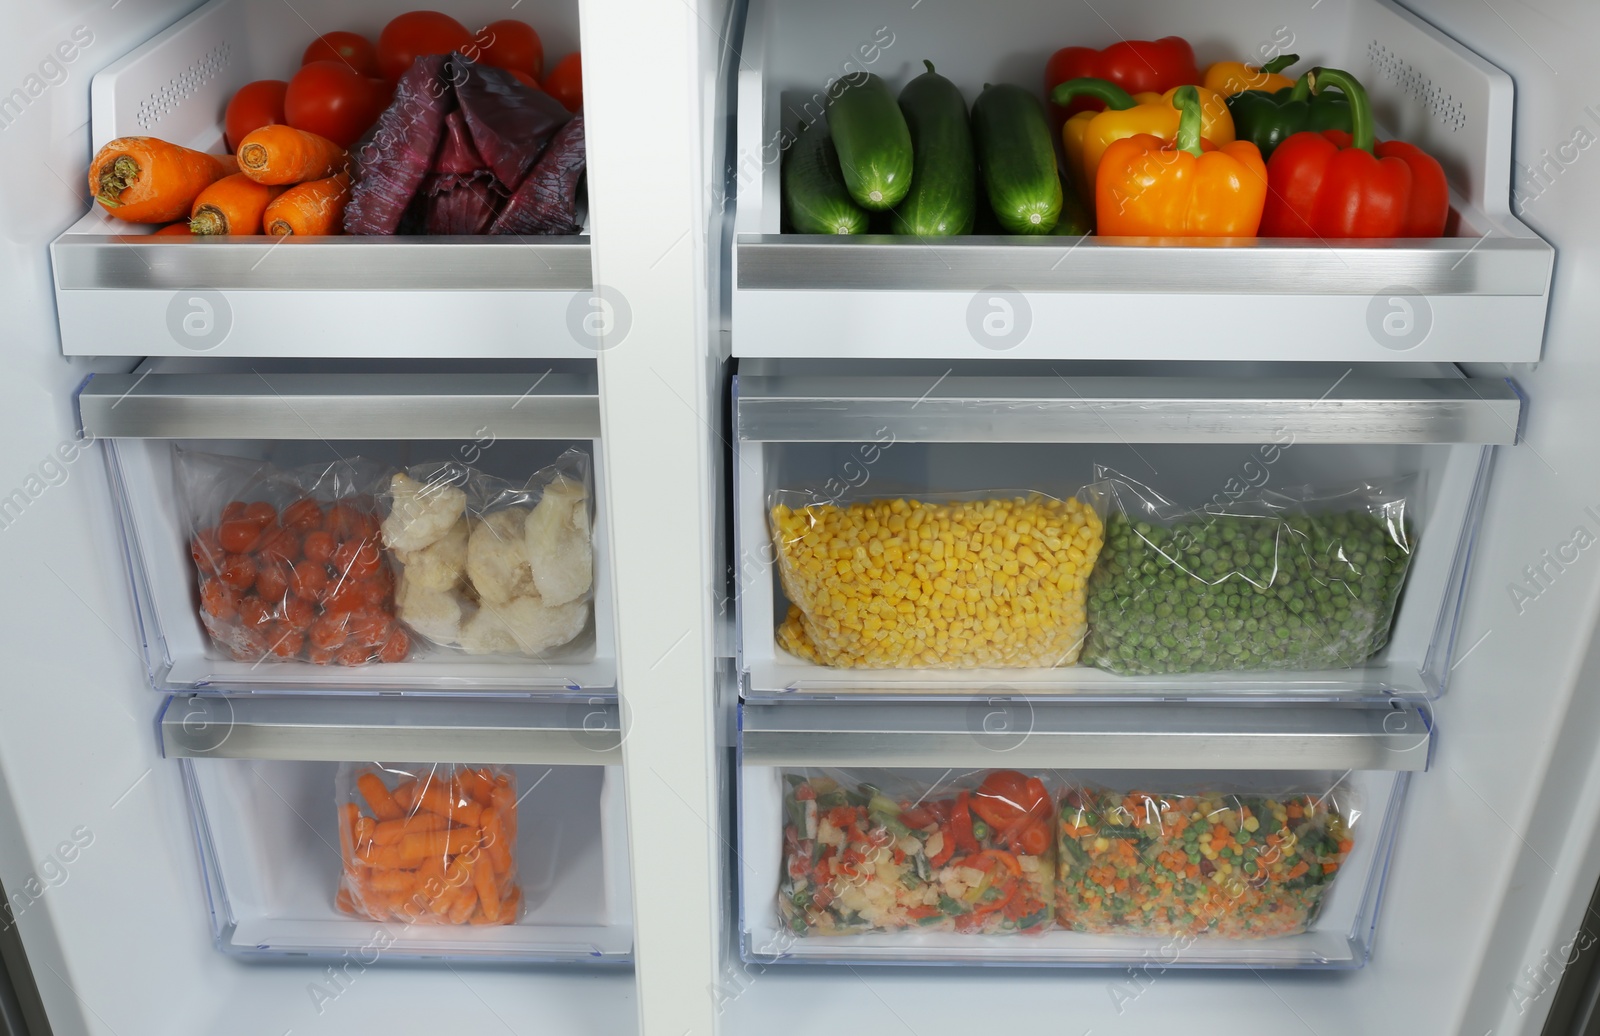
{"x":185,"y":84}
{"x":1440,"y":104}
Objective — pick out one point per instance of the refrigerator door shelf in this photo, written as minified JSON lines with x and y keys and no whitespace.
{"x":507,"y":423}
{"x":268,"y":837}
{"x":121,"y":294}
{"x":1365,"y":755}
{"x":850,"y":431}
{"x":1478,"y":294}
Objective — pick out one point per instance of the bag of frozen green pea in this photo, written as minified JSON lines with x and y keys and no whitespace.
{"x":1301,"y":579}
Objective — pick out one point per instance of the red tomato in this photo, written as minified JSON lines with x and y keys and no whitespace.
{"x":520,"y":76}
{"x":319,"y":547}
{"x":272,"y":579}
{"x":253,"y":106}
{"x":353,"y":654}
{"x":343,"y":598}
{"x":253,"y":611}
{"x":565,"y":82}
{"x":260,"y":513}
{"x":308,"y":580}
{"x":238,"y":571}
{"x":238,"y":536}
{"x":415,"y":34}
{"x":358,"y":559}
{"x":396,"y":648}
{"x":234,"y":509}
{"x":304,"y":514}
{"x":286,"y":640}
{"x":375,"y":591}
{"x":278,"y":542}
{"x":332,"y":100}
{"x":320,"y":655}
{"x":298,"y":613}
{"x":512,"y":45}
{"x":347,"y":48}
{"x":206,"y":551}
{"x":343,"y":520}
{"x":370,"y":627}
{"x":327,"y":632}
{"x":219,"y":600}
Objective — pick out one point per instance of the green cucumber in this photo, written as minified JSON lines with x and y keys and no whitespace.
{"x":1018,"y":157}
{"x":874,"y":144}
{"x":814,"y":191}
{"x":944,"y":181}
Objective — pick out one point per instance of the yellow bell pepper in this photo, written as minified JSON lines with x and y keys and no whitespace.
{"x":1235,"y":77}
{"x":1086,"y":135}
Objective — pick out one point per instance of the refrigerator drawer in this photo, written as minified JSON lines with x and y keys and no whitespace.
{"x":507,"y":422}
{"x":1188,"y":836}
{"x":121,"y":293}
{"x":1478,"y":294}
{"x":817,"y":438}
{"x":263,"y":778}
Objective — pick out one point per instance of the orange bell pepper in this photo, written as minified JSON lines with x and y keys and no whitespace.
{"x":1086,"y":135}
{"x":1234,"y":77}
{"x":1184,"y":187}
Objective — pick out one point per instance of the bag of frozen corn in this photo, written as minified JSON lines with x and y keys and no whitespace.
{"x":992,"y":582}
{"x":874,"y":851}
{"x":1232,"y":863}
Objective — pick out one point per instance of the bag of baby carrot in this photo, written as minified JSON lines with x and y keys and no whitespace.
{"x":428,"y":843}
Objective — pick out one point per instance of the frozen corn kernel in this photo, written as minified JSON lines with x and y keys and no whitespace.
{"x":895,"y":584}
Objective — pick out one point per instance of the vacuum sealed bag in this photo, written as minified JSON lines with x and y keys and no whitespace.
{"x":489,"y":567}
{"x":428,"y":843}
{"x":1301,"y":580}
{"x":874,"y":851}
{"x":289,"y":562}
{"x":962,"y":582}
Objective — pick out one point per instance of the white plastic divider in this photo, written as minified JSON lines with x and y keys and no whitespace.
{"x":1477,"y":295}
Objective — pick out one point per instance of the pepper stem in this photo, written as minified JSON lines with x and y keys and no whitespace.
{"x":1302,"y":89}
{"x":1363,"y":133}
{"x":1115,"y":97}
{"x":1187,"y":101}
{"x":925,"y":61}
{"x":1279,"y":63}
{"x":118,"y":177}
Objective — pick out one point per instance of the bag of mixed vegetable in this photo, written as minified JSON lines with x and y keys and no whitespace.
{"x":882,"y":851}
{"x":1307,"y":579}
{"x":1231,"y":863}
{"x":488,"y":567}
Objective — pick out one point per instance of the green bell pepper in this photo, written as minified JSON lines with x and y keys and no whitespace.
{"x":1267,"y":119}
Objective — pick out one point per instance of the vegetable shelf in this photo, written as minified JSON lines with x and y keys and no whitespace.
{"x":1478,"y":294}
{"x":847,"y":811}
{"x":262,"y":777}
{"x":178,"y":444}
{"x":119,"y":292}
{"x":1187,"y":515}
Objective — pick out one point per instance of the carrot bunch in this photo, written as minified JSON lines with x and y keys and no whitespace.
{"x":434,"y":849}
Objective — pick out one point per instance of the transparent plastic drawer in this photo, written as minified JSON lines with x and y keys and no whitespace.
{"x":1479,"y":293}
{"x":506,"y":421}
{"x":1210,"y":439}
{"x":1182,"y":834}
{"x":261,"y":778}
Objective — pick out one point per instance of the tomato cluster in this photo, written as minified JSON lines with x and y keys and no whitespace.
{"x":309,"y":582}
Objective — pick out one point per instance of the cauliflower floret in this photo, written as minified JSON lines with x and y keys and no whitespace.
{"x":497,"y":562}
{"x":558,"y":542}
{"x":435,"y":614}
{"x":524,"y":626}
{"x":422,"y":512}
{"x":439,"y":565}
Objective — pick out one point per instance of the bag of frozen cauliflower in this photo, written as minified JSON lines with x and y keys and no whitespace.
{"x":997,"y":582}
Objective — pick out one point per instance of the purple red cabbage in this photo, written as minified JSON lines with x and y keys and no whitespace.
{"x":547,"y":201}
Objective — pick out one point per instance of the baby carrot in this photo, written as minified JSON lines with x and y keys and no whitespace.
{"x":436,"y":798}
{"x":310,"y":208}
{"x":379,"y":800}
{"x":435,"y":844}
{"x":283,"y":155}
{"x":232,"y":205}
{"x":404,"y":793}
{"x":386,"y":856}
{"x":488,"y":895}
{"x":145,"y":180}
{"x":477,"y":784}
{"x":390,"y":832}
{"x":494,"y":841}
{"x":386,"y":880}
{"x":466,"y":903}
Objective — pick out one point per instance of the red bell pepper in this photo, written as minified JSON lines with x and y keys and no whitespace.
{"x":961,"y":825}
{"x":1346,"y":185}
{"x":1138,"y":66}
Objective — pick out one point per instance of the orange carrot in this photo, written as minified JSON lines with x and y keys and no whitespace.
{"x":494,"y":841}
{"x":145,"y":180}
{"x":436,"y":798}
{"x":379,"y":800}
{"x":310,"y":208}
{"x":488,"y":896}
{"x":232,"y":205}
{"x":178,"y":229}
{"x":390,"y":832}
{"x":386,"y":880}
{"x":478,"y":784}
{"x":437,"y":844}
{"x":403,"y":794}
{"x":282,"y":155}
{"x":386,"y":856}
{"x":466,"y":903}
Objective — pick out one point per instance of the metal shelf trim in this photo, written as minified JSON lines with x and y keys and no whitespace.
{"x":583,"y":733}
{"x":341,"y":406}
{"x":1015,"y":732}
{"x":1144,"y":266}
{"x":123,"y":262}
{"x":1355,"y":409}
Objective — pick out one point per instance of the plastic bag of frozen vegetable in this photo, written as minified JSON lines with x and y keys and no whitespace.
{"x":1301,"y":580}
{"x":959,"y":581}
{"x":882,"y":850}
{"x":1138,"y":862}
